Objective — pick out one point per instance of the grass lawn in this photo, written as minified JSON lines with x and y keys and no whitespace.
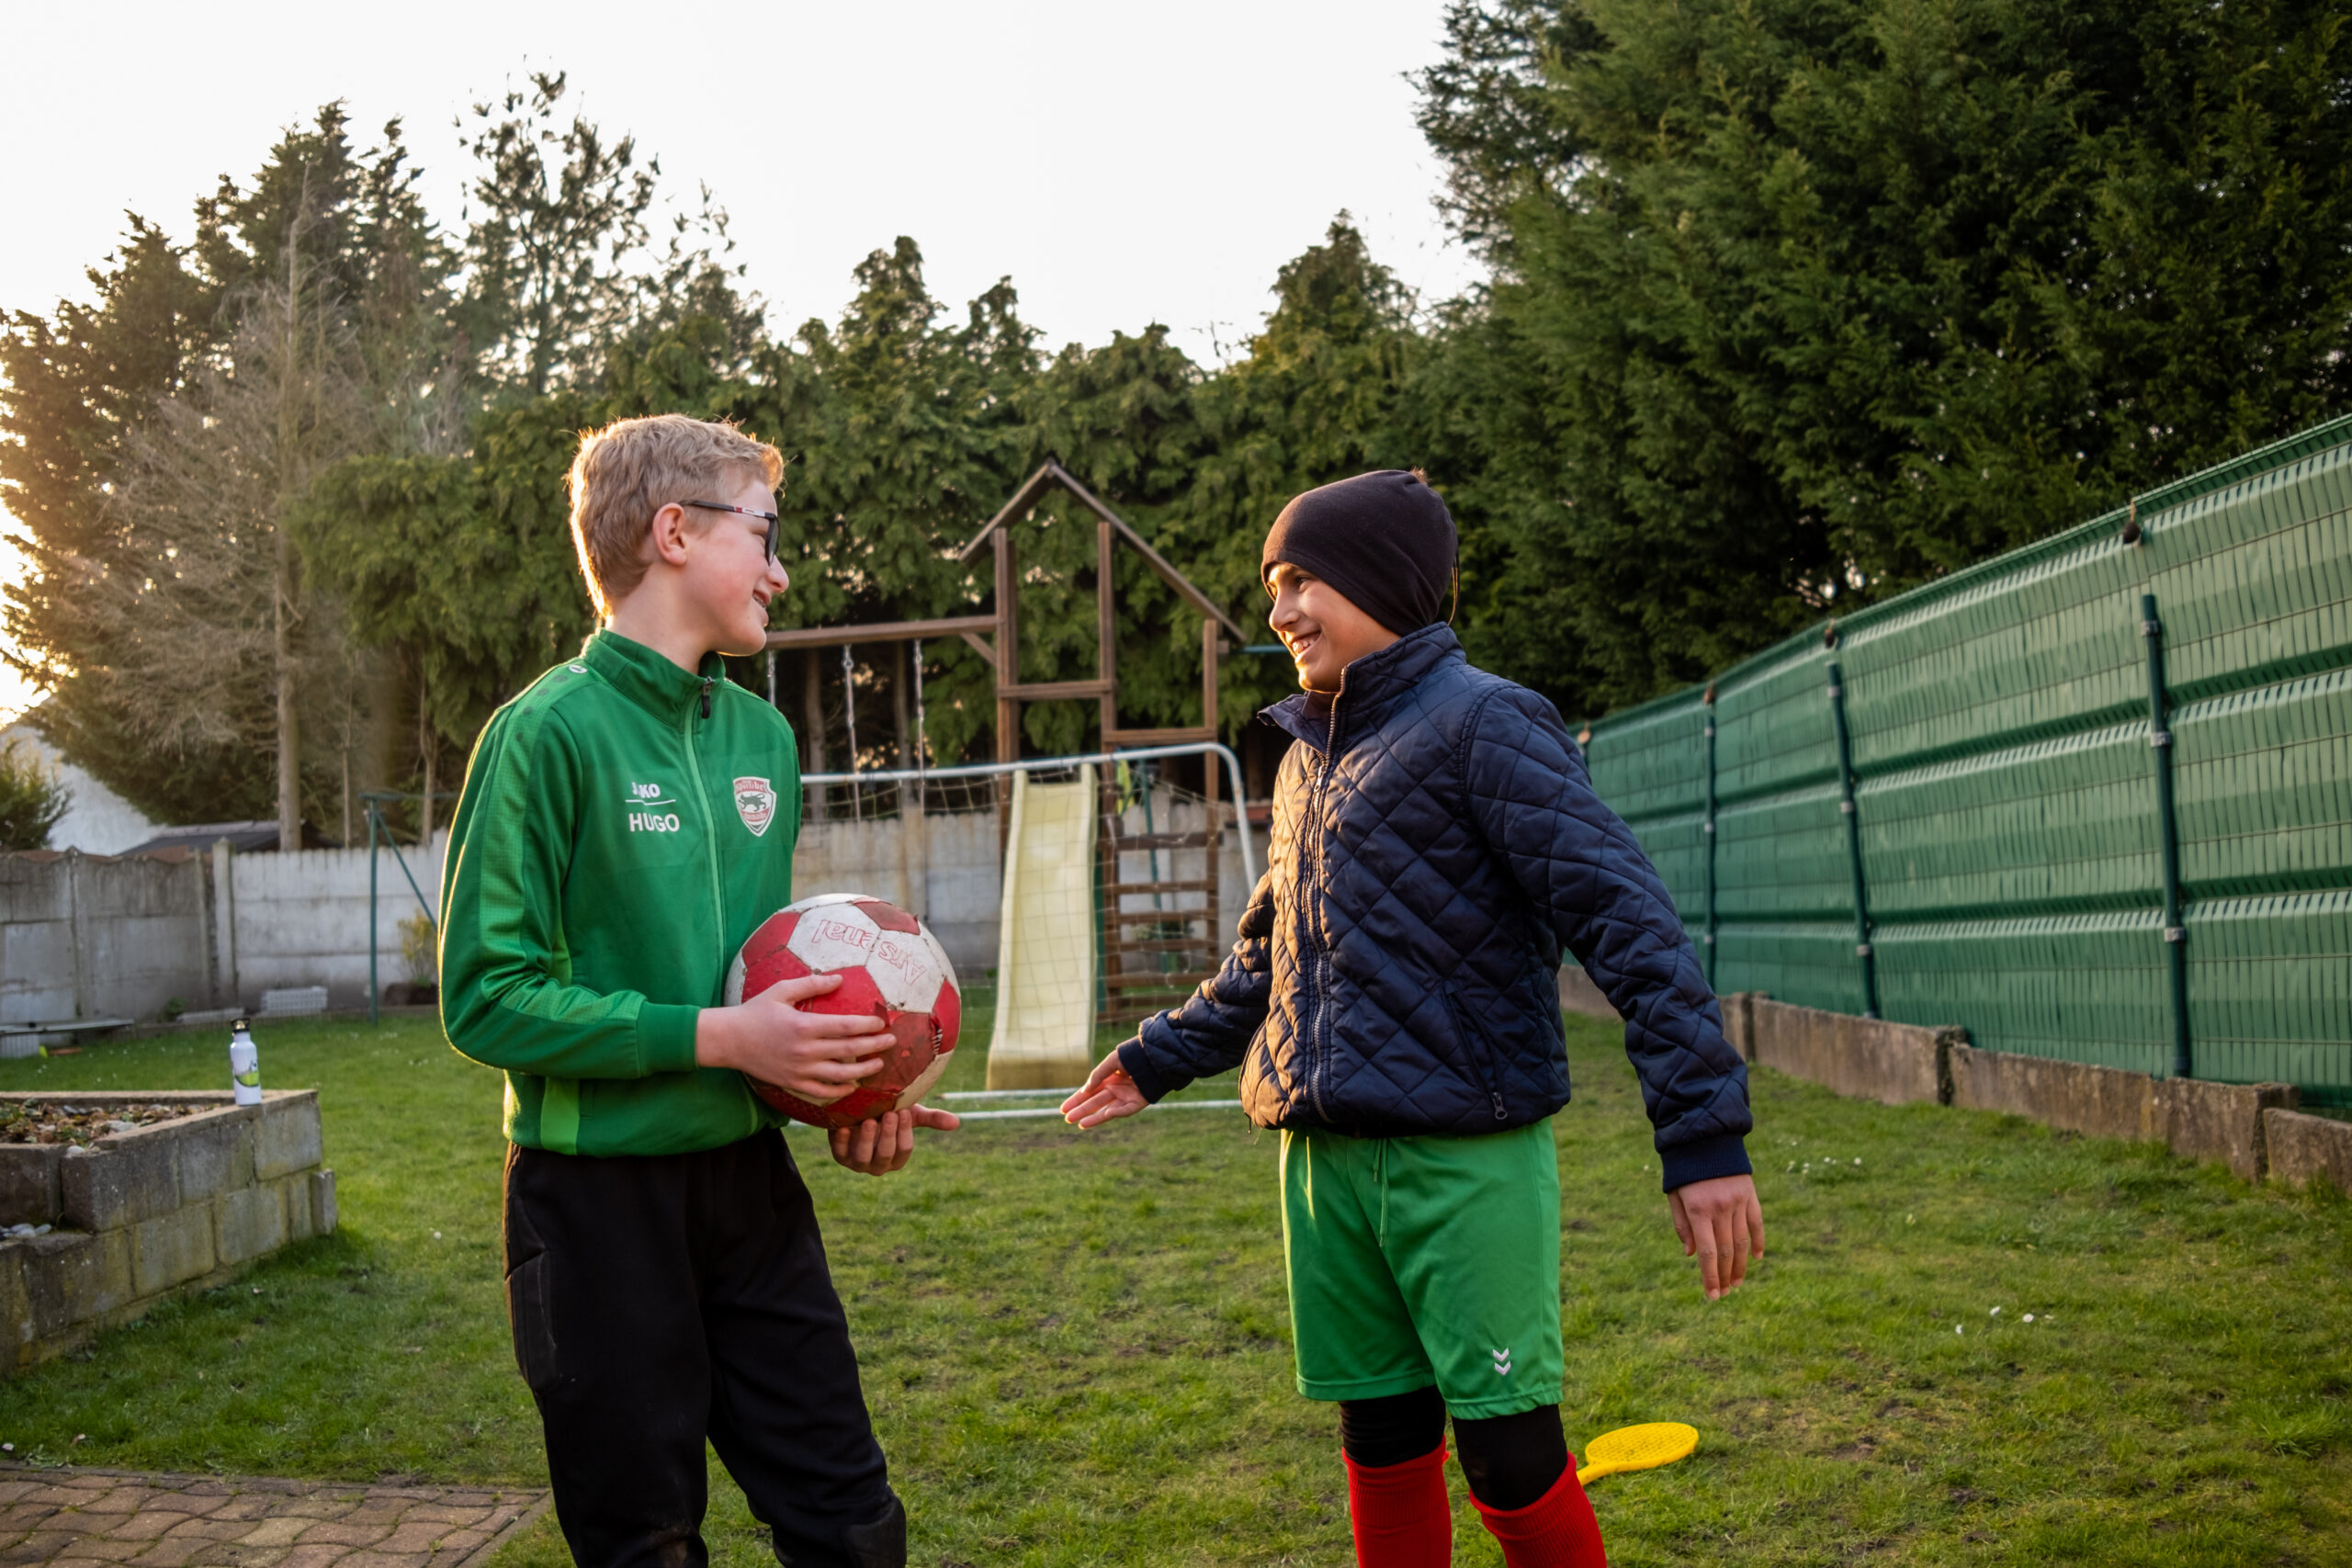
{"x":1076,"y":1345}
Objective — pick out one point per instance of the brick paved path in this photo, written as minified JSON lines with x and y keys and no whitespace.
{"x":85,"y":1518}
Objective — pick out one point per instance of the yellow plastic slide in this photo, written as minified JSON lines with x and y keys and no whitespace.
{"x":1045,"y":955}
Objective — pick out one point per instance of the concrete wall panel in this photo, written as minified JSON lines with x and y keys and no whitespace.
{"x":86,"y":937}
{"x":2304,"y":1148}
{"x":304,"y":919}
{"x":2075,"y":1097}
{"x":1870,"y":1058}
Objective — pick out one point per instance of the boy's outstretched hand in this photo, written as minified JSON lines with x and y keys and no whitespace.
{"x":818,"y":1056}
{"x":887,"y":1143}
{"x":1107,"y":1095}
{"x":1721,"y":1221}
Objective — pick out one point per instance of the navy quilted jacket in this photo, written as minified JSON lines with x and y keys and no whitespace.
{"x":1435,"y":845}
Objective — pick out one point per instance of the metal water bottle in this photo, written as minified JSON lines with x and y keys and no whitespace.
{"x":244,"y":1062}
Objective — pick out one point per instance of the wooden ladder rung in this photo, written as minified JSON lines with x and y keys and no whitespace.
{"x":1140,"y":841}
{"x":1120,"y":889}
{"x":1141,"y":981}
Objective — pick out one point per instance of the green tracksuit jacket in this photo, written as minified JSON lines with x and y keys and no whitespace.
{"x":614,"y":847}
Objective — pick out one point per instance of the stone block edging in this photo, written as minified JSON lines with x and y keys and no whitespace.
{"x":2303,"y":1148}
{"x":1896,"y":1063}
{"x":2223,"y":1122}
{"x":1867,"y":1058}
{"x":2074,"y":1096}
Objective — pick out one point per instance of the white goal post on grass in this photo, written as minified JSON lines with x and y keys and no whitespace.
{"x":1047,"y":960}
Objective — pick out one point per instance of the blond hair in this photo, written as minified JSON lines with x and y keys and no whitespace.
{"x":631,"y":469}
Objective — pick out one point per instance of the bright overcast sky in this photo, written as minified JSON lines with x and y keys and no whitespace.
{"x":1123,"y":164}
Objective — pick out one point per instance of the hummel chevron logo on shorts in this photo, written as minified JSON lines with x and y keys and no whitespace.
{"x":1502,"y":1362}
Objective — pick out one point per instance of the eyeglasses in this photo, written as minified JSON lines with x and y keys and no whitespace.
{"x":776,"y":523}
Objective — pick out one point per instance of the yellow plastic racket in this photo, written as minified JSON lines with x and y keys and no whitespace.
{"x":1646,"y":1447}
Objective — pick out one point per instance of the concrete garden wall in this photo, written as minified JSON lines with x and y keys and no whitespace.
{"x":141,"y":1214}
{"x":1895,"y":1064}
{"x":92,"y":936}
{"x":88,"y":936}
{"x":302,"y":919}
{"x":946,"y":870}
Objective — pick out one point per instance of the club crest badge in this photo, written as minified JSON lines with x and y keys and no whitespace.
{"x":755,"y":803}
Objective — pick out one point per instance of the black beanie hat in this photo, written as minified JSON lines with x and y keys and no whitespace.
{"x":1383,"y":539}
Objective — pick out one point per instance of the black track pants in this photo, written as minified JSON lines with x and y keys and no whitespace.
{"x":656,"y":1300}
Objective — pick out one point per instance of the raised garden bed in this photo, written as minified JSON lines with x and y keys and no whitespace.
{"x":61,"y":1121}
{"x":143,"y":1195}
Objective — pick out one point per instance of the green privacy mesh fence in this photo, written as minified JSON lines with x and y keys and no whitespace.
{"x":2000,"y":826}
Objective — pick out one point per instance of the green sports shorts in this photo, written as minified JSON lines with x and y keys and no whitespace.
{"x":1426,"y":1261}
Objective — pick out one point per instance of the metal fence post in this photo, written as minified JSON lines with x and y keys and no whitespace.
{"x":2176,"y":929}
{"x":374,"y":1013}
{"x":1853,"y":841}
{"x":1708,"y":958}
{"x":849,"y":709}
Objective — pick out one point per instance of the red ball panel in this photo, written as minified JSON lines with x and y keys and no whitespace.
{"x":889,"y":917}
{"x":765,"y":957}
{"x":949,"y":1010}
{"x":856,"y":993}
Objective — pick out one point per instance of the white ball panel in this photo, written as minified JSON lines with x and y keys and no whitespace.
{"x":939,"y":956}
{"x":903,"y":972}
{"x":835,"y":938}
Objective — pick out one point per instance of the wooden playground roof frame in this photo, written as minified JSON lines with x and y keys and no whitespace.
{"x":1001,"y":649}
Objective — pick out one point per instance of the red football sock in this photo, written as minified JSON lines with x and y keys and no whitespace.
{"x":1400,"y":1513}
{"x":1556,"y":1530}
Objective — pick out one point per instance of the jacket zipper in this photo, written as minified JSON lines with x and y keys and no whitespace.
{"x":701,"y":805}
{"x":1318,"y":1030}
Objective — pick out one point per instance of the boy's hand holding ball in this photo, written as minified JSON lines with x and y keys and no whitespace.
{"x":821,"y":1058}
{"x":885,"y":1144}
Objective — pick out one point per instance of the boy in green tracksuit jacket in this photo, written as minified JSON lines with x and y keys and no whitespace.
{"x":627,"y":822}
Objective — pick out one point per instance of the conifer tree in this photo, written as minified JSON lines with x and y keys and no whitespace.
{"x":1798,"y":304}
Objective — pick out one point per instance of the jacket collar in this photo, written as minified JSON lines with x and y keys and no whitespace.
{"x":1369,"y":689}
{"x":645,"y":677}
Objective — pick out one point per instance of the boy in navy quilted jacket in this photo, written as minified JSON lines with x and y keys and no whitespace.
{"x":1393,"y":1004}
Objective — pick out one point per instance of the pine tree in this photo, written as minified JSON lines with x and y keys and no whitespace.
{"x":32,"y":798}
{"x":75,"y":382}
{"x":1798,"y":304}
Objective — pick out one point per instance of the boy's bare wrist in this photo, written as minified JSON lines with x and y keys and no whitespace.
{"x":715,"y":1037}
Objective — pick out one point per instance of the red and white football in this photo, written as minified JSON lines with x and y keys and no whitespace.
{"x":890,"y":967}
